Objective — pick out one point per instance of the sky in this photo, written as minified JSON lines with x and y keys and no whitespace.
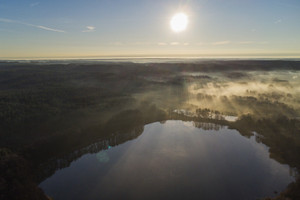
{"x":104,"y":28}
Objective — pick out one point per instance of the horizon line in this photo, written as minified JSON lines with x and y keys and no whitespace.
{"x":166,"y":56}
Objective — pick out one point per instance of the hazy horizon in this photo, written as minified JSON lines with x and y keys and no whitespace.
{"x":158,"y":57}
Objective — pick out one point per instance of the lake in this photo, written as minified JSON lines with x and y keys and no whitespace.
{"x":174,"y":160}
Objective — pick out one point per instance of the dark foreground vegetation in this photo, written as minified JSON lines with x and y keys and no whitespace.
{"x":51,"y":114}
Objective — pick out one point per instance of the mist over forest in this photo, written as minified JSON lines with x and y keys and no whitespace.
{"x":51,"y":114}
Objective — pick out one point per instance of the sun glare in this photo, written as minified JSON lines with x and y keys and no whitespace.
{"x":179,"y":22}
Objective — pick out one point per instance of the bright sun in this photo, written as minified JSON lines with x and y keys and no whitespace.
{"x":179,"y":22}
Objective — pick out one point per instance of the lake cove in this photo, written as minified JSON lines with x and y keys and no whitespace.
{"x":174,"y":160}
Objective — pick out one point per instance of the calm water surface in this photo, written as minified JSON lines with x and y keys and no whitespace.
{"x":174,"y":160}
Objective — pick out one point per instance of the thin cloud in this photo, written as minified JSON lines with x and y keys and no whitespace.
{"x":174,"y":43}
{"x":34,"y":4}
{"x":49,"y":29}
{"x":117,"y":43}
{"x":89,"y":29}
{"x":278,"y":21}
{"x":221,"y":42}
{"x":246,"y":42}
{"x":32,"y":25}
{"x":141,"y":43}
{"x":7,"y":20}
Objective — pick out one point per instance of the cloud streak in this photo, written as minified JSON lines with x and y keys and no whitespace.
{"x":34,"y":4}
{"x":89,"y":29}
{"x":117,"y":43}
{"x":174,"y":43}
{"x":245,"y":42}
{"x":48,"y":29}
{"x":32,"y":25}
{"x":221,"y":42}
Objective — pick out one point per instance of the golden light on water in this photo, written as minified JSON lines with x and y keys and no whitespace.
{"x":179,"y":22}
